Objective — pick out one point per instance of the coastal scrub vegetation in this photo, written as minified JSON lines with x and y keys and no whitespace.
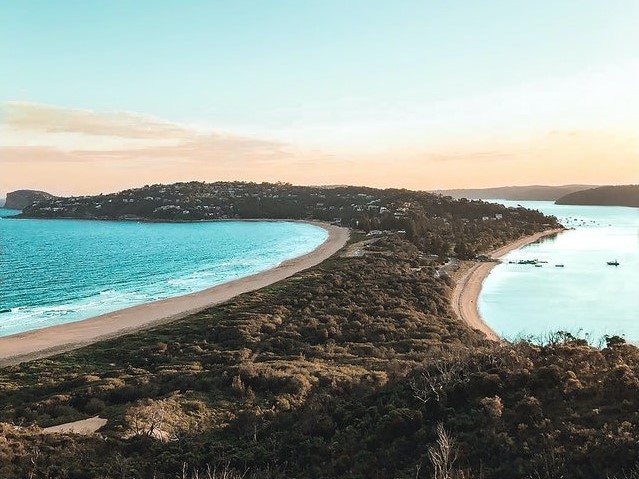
{"x":354,"y":368}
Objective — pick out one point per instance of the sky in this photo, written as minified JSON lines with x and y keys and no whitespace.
{"x":103,"y":95}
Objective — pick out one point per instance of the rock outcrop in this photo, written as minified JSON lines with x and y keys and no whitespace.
{"x":20,"y":199}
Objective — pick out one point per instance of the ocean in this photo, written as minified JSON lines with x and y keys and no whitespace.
{"x":60,"y":271}
{"x":586,"y":297}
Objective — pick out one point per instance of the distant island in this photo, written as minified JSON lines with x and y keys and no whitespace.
{"x":20,"y":199}
{"x":515,"y":193}
{"x":622,"y":195}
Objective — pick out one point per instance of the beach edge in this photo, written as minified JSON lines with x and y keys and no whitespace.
{"x":465,"y":295}
{"x":52,"y":340}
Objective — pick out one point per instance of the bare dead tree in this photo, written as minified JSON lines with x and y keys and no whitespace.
{"x":146,"y":421}
{"x":443,"y":455}
{"x":118,"y":467}
{"x":433,"y":380}
{"x":224,"y":472}
{"x":35,"y":455}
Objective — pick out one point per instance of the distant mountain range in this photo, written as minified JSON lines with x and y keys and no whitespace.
{"x":622,"y":195}
{"x":517,"y":193}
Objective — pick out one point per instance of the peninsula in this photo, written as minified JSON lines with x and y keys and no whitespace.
{"x":350,"y":368}
{"x":436,"y":224}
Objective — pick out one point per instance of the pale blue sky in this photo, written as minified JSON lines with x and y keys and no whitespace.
{"x":272,"y":63}
{"x":423,"y":94}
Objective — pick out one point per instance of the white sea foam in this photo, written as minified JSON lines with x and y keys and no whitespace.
{"x":70,"y":271}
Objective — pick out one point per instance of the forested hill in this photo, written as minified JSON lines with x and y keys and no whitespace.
{"x":622,"y":195}
{"x":436,"y":224}
{"x":516,"y":193}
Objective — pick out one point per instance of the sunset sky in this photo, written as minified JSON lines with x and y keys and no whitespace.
{"x":97,"y":96}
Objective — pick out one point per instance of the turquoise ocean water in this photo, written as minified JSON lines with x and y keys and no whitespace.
{"x":586,"y":296}
{"x":59,"y":271}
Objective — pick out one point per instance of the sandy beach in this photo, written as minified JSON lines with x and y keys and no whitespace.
{"x":65,"y":337}
{"x":468,"y":287}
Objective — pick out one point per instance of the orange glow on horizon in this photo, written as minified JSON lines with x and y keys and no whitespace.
{"x":93,"y":153}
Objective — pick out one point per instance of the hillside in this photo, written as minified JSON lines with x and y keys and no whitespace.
{"x":20,"y":199}
{"x":356,"y":368}
{"x":623,"y":195}
{"x":515,"y":193}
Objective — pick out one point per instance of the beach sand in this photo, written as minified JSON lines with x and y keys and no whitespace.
{"x":468,"y":286}
{"x":46,"y":342}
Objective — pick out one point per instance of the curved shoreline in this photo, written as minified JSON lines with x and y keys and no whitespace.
{"x":466,"y":292}
{"x":41,"y":343}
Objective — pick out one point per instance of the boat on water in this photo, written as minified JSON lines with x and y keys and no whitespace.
{"x":559,"y":266}
{"x":613,"y":263}
{"x":538,"y":266}
{"x":527,"y":261}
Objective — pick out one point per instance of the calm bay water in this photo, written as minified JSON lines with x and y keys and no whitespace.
{"x":586,"y":296}
{"x":59,"y":271}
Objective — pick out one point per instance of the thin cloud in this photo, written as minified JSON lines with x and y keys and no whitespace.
{"x":71,"y":151}
{"x":42,"y":133}
{"x":483,"y":156}
{"x":50,"y":119}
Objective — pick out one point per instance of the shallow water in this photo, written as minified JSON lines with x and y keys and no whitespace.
{"x":586,"y":296}
{"x":59,"y":271}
